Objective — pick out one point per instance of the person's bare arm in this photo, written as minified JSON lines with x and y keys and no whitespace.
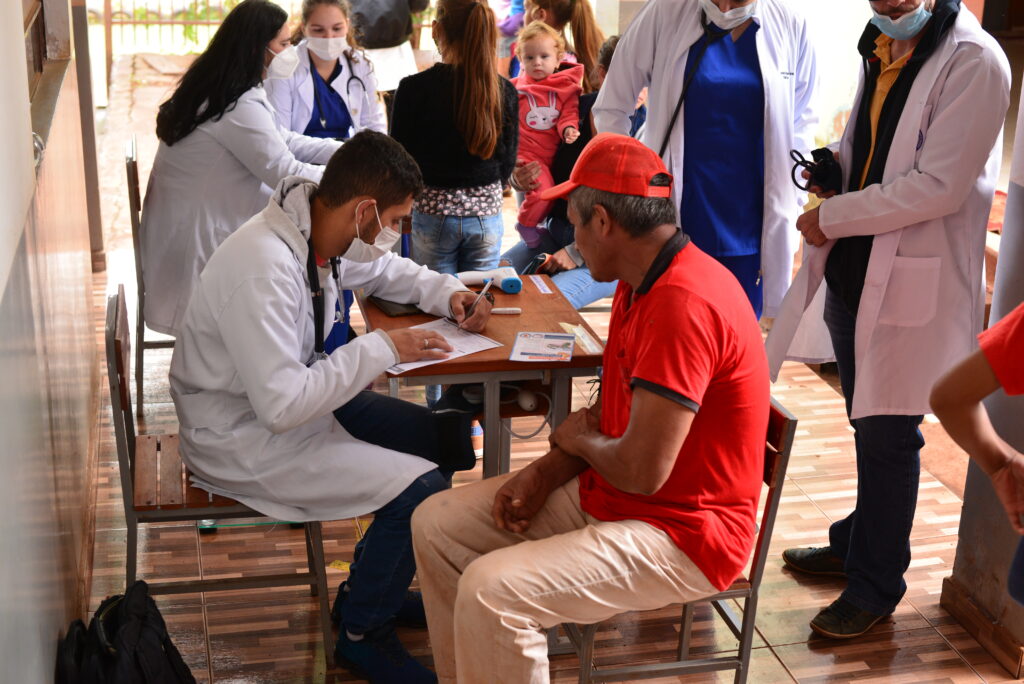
{"x":641,"y":460}
{"x":956,"y":401}
{"x":523,"y":495}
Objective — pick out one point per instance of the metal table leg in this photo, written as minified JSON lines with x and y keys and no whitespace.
{"x":492,"y":428}
{"x":561,"y":385}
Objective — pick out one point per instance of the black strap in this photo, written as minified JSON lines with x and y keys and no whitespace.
{"x":710,"y":36}
{"x":317,"y":292}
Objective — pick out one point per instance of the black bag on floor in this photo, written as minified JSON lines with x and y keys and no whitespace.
{"x":126,"y":643}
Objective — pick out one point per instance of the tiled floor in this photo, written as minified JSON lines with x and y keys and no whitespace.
{"x":272,"y":635}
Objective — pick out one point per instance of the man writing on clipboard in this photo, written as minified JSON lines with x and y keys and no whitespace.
{"x":270,"y":420}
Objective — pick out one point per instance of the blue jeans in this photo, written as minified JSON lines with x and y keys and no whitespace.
{"x":383,"y":565}
{"x":450,"y":244}
{"x":874,"y":540}
{"x":578,"y":286}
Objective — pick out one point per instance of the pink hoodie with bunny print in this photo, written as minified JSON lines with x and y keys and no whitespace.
{"x":546,"y":109}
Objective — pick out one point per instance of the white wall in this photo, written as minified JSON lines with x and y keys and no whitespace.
{"x":17,"y":179}
{"x":836,"y":26}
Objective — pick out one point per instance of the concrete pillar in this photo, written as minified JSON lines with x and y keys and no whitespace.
{"x":976,"y":592}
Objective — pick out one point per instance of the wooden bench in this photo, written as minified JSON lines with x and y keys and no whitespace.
{"x":156,"y":487}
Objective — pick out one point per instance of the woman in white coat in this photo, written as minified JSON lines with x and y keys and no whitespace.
{"x":333,"y":92}
{"x":891,"y":285}
{"x":221,"y":152}
{"x":750,"y":76}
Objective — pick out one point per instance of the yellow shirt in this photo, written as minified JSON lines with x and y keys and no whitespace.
{"x":886,"y":78}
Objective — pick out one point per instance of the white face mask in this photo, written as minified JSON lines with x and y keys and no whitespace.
{"x":907,"y":26}
{"x":284,"y":63}
{"x":727,"y":20}
{"x":328,"y":48}
{"x":363,"y":253}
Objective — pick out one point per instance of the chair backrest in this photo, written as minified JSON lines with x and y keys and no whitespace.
{"x":131,"y":166}
{"x":118,"y":347}
{"x":781,"y":432}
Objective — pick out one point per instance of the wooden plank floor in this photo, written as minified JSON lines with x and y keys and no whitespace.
{"x":272,"y":635}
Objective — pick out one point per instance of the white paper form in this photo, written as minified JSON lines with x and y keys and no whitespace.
{"x":463,"y":343}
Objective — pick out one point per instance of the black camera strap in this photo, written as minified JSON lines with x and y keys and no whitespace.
{"x":710,"y":36}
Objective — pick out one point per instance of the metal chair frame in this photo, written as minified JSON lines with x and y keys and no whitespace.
{"x":131,"y":163}
{"x":781,"y":433}
{"x":217,"y":508}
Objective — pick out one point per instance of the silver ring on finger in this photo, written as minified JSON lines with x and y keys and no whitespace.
{"x":426,"y":344}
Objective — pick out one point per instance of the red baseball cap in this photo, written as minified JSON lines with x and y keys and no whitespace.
{"x":615,"y":163}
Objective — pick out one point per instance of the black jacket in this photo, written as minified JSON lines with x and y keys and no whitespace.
{"x":847,"y":264}
{"x":423,"y":120}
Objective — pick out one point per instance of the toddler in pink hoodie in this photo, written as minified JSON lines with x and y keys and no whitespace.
{"x":549,"y":112}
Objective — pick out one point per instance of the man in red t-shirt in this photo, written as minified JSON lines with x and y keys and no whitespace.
{"x":648,"y":498}
{"x":956,"y":400}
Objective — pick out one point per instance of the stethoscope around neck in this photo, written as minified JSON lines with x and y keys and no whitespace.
{"x":348,"y":89}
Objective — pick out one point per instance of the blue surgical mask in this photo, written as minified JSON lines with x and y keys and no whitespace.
{"x":906,"y":27}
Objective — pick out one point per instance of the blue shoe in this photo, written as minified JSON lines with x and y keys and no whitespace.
{"x":381,"y":658}
{"x":411,"y":614}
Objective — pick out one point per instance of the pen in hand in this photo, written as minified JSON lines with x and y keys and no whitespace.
{"x":472,"y":307}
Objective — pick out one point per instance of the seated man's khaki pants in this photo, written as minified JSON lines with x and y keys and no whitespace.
{"x":488,"y":592}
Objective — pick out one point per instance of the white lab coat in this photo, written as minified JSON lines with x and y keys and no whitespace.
{"x":205,"y":186}
{"x":654,"y":52}
{"x":254,"y":405}
{"x":923,"y":299}
{"x":392,"y":64}
{"x":292,"y":98}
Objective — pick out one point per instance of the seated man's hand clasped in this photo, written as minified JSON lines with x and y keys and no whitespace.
{"x":418,"y":345}
{"x":519,"y":500}
{"x":577,"y":426}
{"x":474,"y":320}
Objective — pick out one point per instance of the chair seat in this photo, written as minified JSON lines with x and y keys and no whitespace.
{"x":162,"y":482}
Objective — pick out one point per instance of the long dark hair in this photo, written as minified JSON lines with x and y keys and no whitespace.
{"x":469,"y":34}
{"x":230,"y":65}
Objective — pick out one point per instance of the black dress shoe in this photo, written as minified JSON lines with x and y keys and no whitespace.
{"x":843,"y":620}
{"x":814,"y":560}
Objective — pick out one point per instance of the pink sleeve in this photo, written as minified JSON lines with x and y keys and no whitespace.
{"x":570,"y":116}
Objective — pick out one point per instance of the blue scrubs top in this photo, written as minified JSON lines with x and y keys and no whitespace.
{"x":328,"y":104}
{"x":723,"y":167}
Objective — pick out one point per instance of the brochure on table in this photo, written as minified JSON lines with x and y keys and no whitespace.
{"x":543,"y":346}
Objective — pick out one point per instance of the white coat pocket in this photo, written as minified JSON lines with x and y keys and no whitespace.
{"x":912,"y":293}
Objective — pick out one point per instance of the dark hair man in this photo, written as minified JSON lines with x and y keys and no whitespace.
{"x":260,"y":404}
{"x":648,"y":498}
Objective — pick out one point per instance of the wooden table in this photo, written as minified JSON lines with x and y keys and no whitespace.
{"x":541,"y":313}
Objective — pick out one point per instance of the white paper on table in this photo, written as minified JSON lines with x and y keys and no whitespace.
{"x":463,"y":343}
{"x":543,"y":346}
